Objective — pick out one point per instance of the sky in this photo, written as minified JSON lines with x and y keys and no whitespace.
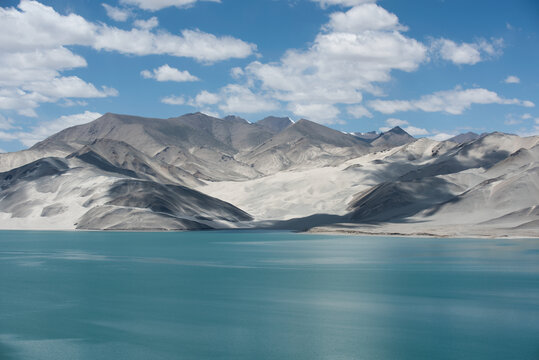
{"x":434,"y":67}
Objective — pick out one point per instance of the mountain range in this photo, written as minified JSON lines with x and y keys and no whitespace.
{"x":195,"y":172}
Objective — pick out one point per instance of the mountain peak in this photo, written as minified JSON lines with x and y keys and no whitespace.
{"x":394,"y":137}
{"x":465,"y":137}
{"x":275,"y":124}
{"x":398,"y":130}
{"x":236,"y":119}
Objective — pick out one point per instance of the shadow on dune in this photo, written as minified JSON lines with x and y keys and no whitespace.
{"x":389,"y":202}
{"x":304,"y":223}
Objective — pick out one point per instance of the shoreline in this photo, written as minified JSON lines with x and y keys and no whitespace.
{"x":316,"y":231}
{"x":422,"y":234}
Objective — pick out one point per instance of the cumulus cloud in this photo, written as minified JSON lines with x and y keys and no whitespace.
{"x":511,"y":79}
{"x":345,"y":60}
{"x":173,"y":100}
{"x":6,"y":123}
{"x":240,"y":99}
{"x":352,"y":54}
{"x":154,"y":5}
{"x":233,"y":98}
{"x":204,"y":98}
{"x":322,"y":113}
{"x":47,"y":128}
{"x":454,"y":102}
{"x":358,"y":111}
{"x":362,"y":18}
{"x":67,"y":86}
{"x":512,"y":121}
{"x":347,"y":3}
{"x":34,"y":40}
{"x":194,"y":44}
{"x":415,"y":131}
{"x":396,"y":122}
{"x":147,"y":24}
{"x":167,"y":73}
{"x":115,"y":13}
{"x":466,"y":53}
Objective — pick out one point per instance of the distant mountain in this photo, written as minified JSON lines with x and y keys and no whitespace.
{"x":367,"y":136}
{"x":465,"y":137}
{"x":275,"y":124}
{"x":394,"y":137}
{"x":304,"y":144}
{"x":200,"y":172}
{"x":200,"y":144}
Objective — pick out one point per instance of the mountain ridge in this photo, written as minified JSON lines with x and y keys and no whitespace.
{"x":196,"y":172}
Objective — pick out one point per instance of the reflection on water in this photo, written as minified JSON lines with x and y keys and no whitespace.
{"x":266,"y":295}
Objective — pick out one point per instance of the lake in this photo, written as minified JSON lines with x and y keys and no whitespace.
{"x":265,"y":295}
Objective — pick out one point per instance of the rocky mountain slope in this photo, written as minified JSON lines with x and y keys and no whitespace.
{"x":200,"y":172}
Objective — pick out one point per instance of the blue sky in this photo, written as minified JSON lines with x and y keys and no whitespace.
{"x":434,"y":67}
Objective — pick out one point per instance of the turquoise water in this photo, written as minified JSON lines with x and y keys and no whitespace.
{"x":265,"y":295}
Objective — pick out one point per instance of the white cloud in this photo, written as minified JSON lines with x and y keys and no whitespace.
{"x":204,"y":98}
{"x":345,"y":60}
{"x":6,"y":123}
{"x":415,"y":131}
{"x":236,"y":72}
{"x":321,"y":113}
{"x":7,"y":136}
{"x":358,"y":111}
{"x":36,"y":26}
{"x":233,"y":99}
{"x":396,"y":122}
{"x":64,"y":87}
{"x":348,"y":3}
{"x":339,"y":66}
{"x":173,"y":100}
{"x":194,"y":44}
{"x":154,"y":5}
{"x":511,"y":79}
{"x":526,"y":116}
{"x":454,"y":102}
{"x":362,"y":18}
{"x":34,"y":40}
{"x":466,"y":53}
{"x":240,"y":99}
{"x":167,"y":73}
{"x":147,"y":24}
{"x":512,"y":122}
{"x":115,"y":13}
{"x":70,"y":102}
{"x":45,"y":129}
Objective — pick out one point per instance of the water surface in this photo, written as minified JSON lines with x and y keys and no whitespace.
{"x":265,"y":295}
